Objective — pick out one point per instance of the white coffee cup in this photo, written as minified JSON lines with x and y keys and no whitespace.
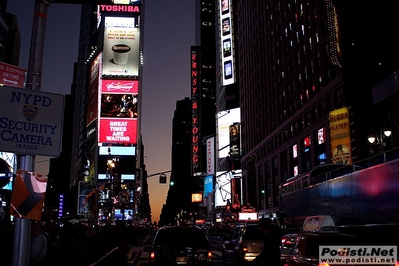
{"x":121,"y":53}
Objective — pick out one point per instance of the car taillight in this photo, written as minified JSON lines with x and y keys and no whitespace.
{"x":244,"y":247}
{"x":397,"y":263}
{"x":209,"y":255}
{"x":323,"y":264}
{"x":152,"y":255}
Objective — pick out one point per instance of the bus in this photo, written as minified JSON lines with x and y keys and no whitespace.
{"x":352,"y":196}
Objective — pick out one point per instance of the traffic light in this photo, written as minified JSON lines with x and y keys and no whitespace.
{"x":162,"y":179}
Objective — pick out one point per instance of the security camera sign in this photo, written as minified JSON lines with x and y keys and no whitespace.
{"x":31,"y":122}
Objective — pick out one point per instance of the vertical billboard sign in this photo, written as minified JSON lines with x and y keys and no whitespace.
{"x":94,"y":83}
{"x":118,"y":112}
{"x":222,"y":189}
{"x":229,"y":121}
{"x":194,"y":111}
{"x":121,"y":46}
{"x":210,"y":156}
{"x":341,"y":151}
{"x":226,"y":41}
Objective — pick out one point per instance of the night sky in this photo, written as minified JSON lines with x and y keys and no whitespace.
{"x":169,"y":34}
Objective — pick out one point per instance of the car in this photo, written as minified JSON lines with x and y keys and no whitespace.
{"x":302,"y":248}
{"x":243,"y":245}
{"x":177,"y":245}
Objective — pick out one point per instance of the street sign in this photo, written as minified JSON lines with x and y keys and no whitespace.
{"x":11,"y":75}
{"x":31,"y":122}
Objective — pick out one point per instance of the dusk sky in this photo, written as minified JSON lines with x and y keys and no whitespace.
{"x":169,"y":34}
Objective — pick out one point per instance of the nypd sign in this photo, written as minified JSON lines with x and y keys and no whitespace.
{"x":31,"y":122}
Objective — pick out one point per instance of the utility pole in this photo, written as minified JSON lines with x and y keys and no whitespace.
{"x":22,"y":230}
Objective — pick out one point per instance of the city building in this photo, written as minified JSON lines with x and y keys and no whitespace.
{"x":307,"y":73}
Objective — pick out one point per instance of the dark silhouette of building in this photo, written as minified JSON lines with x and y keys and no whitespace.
{"x":179,"y":195}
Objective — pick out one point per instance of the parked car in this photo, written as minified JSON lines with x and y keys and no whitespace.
{"x":243,"y":245}
{"x":176,"y":245}
{"x":302,"y":249}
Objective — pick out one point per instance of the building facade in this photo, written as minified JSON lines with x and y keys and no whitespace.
{"x":299,"y":63}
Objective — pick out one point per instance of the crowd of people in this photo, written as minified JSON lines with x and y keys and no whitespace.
{"x":72,"y":244}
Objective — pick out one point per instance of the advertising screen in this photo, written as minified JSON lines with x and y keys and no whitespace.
{"x":128,"y":213}
{"x":226,"y":42}
{"x":118,"y":112}
{"x":222,"y":189}
{"x":228,"y":120}
{"x":121,"y":46}
{"x":92,"y":104}
{"x":208,"y":184}
{"x":117,"y":130}
{"x":125,"y":167}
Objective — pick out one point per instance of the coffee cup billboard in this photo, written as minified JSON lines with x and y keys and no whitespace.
{"x":121,"y":48}
{"x":121,"y":53}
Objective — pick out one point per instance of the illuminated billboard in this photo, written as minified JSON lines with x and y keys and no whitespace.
{"x":121,"y":47}
{"x":222,"y":189}
{"x":195,"y":117}
{"x":226,"y":42}
{"x":118,"y":112}
{"x":229,"y":133}
{"x":341,"y":151}
{"x":124,"y":170}
{"x":208,"y":184}
{"x":92,"y":104}
{"x":114,"y":130}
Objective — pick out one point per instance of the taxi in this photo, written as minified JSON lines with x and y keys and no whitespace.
{"x":302,"y":249}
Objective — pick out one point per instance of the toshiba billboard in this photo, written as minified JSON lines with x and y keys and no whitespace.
{"x":121,"y":47}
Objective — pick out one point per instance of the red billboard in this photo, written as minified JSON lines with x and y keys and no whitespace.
{"x":118,"y":130}
{"x":119,"y":86}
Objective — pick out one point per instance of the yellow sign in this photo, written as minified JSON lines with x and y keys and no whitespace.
{"x":341,"y":152}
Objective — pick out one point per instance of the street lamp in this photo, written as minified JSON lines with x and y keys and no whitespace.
{"x":373,"y":137}
{"x":110,"y":167}
{"x":379,"y":139}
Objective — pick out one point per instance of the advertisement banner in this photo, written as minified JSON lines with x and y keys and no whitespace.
{"x":228,"y":121}
{"x":119,"y":86}
{"x":122,"y":131}
{"x":28,"y":195}
{"x":92,"y":104}
{"x":31,"y":121}
{"x":341,"y":151}
{"x":121,"y":47}
{"x":227,"y":42}
{"x":210,"y":156}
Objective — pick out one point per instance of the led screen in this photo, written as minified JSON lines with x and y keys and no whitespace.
{"x":226,"y":42}
{"x":226,"y":121}
{"x":121,"y":46}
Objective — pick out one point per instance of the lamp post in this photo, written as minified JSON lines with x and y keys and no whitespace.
{"x":379,"y":139}
{"x":110,"y":167}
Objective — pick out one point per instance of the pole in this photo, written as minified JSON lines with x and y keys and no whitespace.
{"x":27,"y":162}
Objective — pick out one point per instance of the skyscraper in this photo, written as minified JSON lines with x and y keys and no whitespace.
{"x":304,"y":66}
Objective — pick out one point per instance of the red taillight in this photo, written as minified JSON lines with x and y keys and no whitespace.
{"x":244,"y":248}
{"x":209,"y":255}
{"x":397,"y":263}
{"x":323,"y":264}
{"x":152,"y":255}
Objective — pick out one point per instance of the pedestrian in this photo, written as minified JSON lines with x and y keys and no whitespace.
{"x":38,"y":245}
{"x":270,"y":254}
